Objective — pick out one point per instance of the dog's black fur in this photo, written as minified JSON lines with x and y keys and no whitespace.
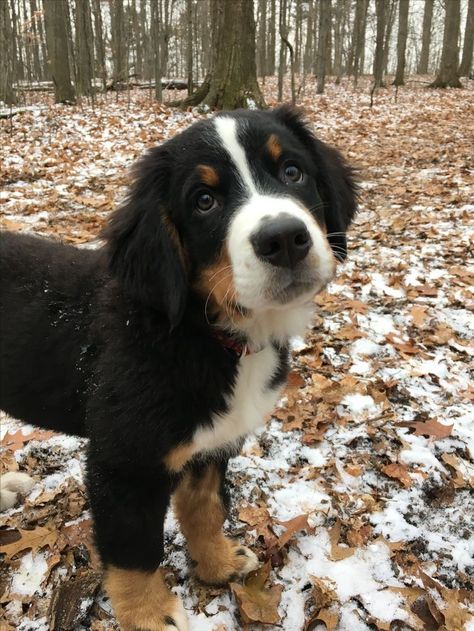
{"x":113,"y":344}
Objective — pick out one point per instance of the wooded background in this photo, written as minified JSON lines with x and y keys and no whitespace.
{"x":216,"y":48}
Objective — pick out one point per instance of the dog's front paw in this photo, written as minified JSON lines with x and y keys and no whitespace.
{"x":225,"y":561}
{"x":174,"y":618}
{"x":170,"y":616}
{"x":142,"y":602}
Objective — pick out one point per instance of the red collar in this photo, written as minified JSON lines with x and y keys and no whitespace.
{"x":238,"y":348}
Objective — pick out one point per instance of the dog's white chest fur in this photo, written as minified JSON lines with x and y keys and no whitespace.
{"x":252,"y":399}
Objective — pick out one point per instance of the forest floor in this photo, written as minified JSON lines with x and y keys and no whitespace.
{"x":357,"y":495}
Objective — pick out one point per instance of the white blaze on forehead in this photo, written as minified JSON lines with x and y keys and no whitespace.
{"x":227,"y":129}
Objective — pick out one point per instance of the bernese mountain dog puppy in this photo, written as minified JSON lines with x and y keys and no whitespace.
{"x":169,"y":344}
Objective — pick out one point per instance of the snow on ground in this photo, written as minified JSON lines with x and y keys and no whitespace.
{"x":373,"y":440}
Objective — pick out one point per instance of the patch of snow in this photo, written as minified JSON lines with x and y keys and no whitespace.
{"x":419,"y":451}
{"x":364,"y":347}
{"x":358,"y":404}
{"x":364,"y":575}
{"x":28,"y":577}
{"x":296,"y":498}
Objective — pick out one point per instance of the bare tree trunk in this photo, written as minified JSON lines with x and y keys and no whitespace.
{"x":27,"y":44}
{"x":262,"y":39}
{"x":283,"y":29}
{"x":19,"y":67}
{"x":84,"y":47}
{"x":426,"y":38}
{"x":388,"y":34}
{"x":99,"y":43}
{"x":42,"y":39}
{"x":381,"y":13}
{"x":271,"y":49}
{"x":328,"y":61}
{"x":234,"y":83}
{"x":447,"y":76}
{"x":465,"y":69}
{"x":37,"y":69}
{"x":355,"y":65}
{"x":55,"y":12}
{"x":323,"y":40}
{"x":155,"y":32}
{"x":118,"y":41}
{"x":341,"y":17}
{"x":298,"y":36}
{"x":308,"y":52}
{"x":137,"y":38}
{"x":166,"y":10}
{"x":189,"y":44}
{"x":7,"y":67}
{"x":403,"y":7}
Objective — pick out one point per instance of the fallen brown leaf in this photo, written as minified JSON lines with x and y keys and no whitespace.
{"x":338,"y":552}
{"x":398,"y":472}
{"x":30,"y":540}
{"x":431,"y":428}
{"x":256,"y":602}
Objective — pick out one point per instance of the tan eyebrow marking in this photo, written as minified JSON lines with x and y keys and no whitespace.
{"x":208,"y":175}
{"x":274,"y":147}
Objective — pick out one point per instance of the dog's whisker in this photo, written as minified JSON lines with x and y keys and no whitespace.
{"x":221,"y":280}
{"x":219,"y":271}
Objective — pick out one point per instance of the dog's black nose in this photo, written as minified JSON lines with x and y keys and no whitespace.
{"x":283,"y":242}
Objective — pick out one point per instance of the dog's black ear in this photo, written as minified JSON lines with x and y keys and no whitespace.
{"x":143,"y":247}
{"x":334,"y":176}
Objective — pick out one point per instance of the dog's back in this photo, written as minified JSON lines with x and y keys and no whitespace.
{"x":45,"y":290}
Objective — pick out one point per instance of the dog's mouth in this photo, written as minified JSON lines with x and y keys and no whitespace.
{"x":288,"y":287}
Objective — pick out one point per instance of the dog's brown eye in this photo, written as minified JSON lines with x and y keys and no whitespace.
{"x":205,"y":202}
{"x":292,"y":173}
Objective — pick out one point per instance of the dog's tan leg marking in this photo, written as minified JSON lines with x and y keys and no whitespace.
{"x":142,"y":601}
{"x":178,"y":457}
{"x":201,"y":514}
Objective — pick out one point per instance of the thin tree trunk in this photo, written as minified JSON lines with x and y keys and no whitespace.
{"x":262,"y":39}
{"x":403,"y":7}
{"x":323,"y":39}
{"x":361,"y":26}
{"x":118,"y":41}
{"x":42,"y":36}
{"x":189,"y":44}
{"x":381,"y":13}
{"x":137,"y":37}
{"x":298,"y":36}
{"x":388,"y":34}
{"x":308,"y":51}
{"x":426,"y":37}
{"x":99,"y":43}
{"x":37,"y":69}
{"x":465,"y":69}
{"x":57,"y":41}
{"x":283,"y":30}
{"x":7,"y":67}
{"x":19,"y":68}
{"x":84,"y":47}
{"x":155,"y":35}
{"x":447,"y":76}
{"x":271,"y":49}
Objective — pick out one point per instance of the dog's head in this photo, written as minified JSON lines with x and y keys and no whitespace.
{"x":247,"y":209}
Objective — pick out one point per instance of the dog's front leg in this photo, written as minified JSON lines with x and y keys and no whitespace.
{"x":129,"y":505}
{"x":200,"y":506}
